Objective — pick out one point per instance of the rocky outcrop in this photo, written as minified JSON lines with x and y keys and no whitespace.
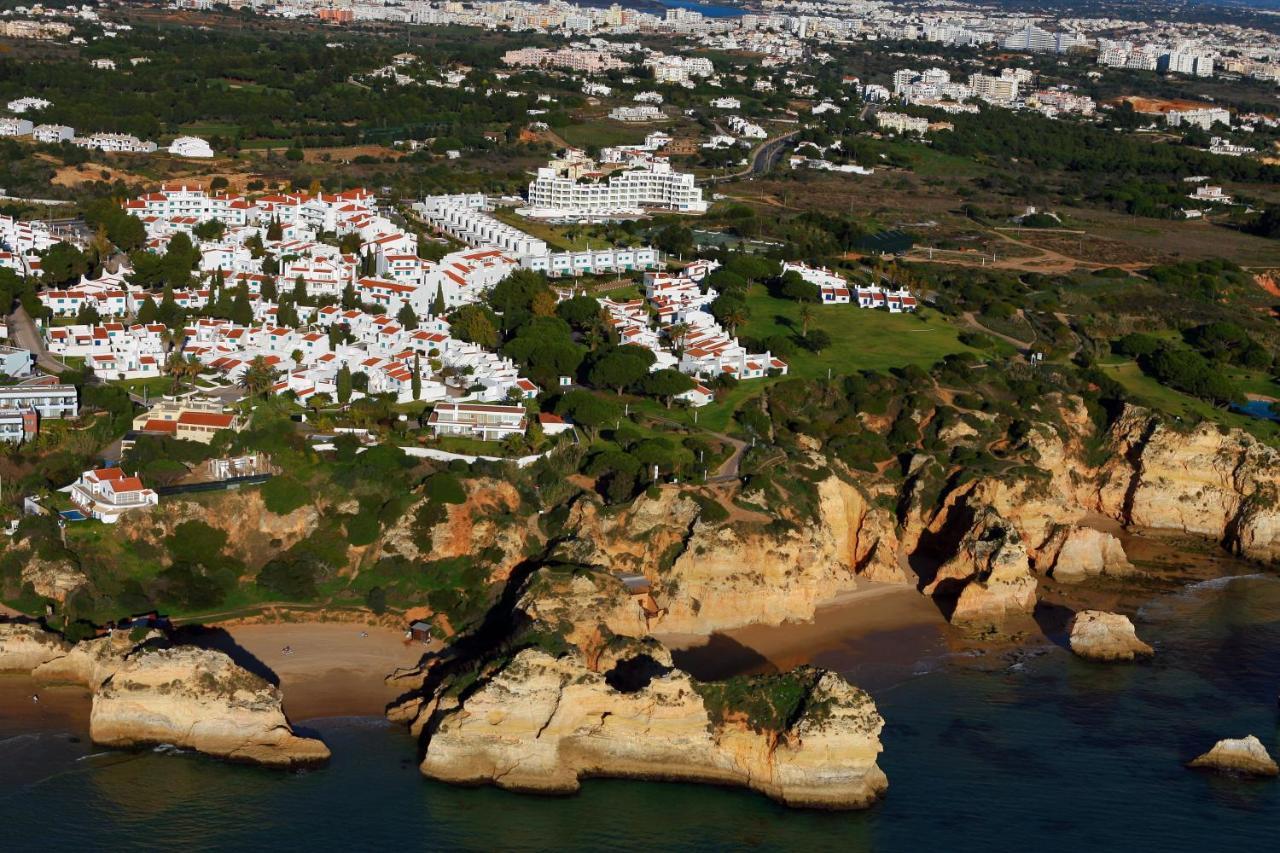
{"x":1244,"y":755}
{"x":1098,"y":635}
{"x":714,"y":575}
{"x":198,"y":699}
{"x":1075,"y":554}
{"x":254,"y":533}
{"x":1219,"y":483}
{"x":541,"y":722}
{"x":24,"y":646}
{"x":55,"y":579}
{"x":91,"y":662}
{"x":990,"y":575}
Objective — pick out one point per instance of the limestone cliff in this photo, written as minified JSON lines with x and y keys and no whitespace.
{"x":1098,"y":635}
{"x":542,"y":722}
{"x":990,"y":575}
{"x":25,"y":646}
{"x":712,"y":575}
{"x":1206,"y":480}
{"x":91,"y":662}
{"x":198,"y":699}
{"x":1074,"y":553}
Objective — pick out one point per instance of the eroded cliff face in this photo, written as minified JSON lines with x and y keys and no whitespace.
{"x":145,"y":692}
{"x":1213,"y":482}
{"x":541,"y":722}
{"x":989,"y":575}
{"x":712,"y":575}
{"x":198,"y":699}
{"x":25,"y":646}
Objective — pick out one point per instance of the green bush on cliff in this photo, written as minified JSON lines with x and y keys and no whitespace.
{"x":766,"y":703}
{"x":282,"y":495}
{"x":446,"y":488}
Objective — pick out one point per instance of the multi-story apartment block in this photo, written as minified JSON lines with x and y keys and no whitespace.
{"x":574,"y":184}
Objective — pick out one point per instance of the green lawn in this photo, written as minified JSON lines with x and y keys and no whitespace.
{"x":862,"y":339}
{"x":604,"y":132}
{"x":554,"y":236}
{"x":1148,"y":392}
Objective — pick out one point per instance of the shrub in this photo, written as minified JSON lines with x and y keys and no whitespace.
{"x":282,"y":495}
{"x":446,"y":488}
{"x":711,"y":511}
{"x":362,"y":528}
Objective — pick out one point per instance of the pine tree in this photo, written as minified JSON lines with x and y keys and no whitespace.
{"x":344,"y":384}
{"x":241,"y":310}
{"x":275,"y":230}
{"x":406,"y":317}
{"x":437,"y":304}
{"x":269,"y":291}
{"x":148,"y":313}
{"x":349,"y":300}
{"x":416,"y":382}
{"x":300,"y":290}
{"x":169,"y":313}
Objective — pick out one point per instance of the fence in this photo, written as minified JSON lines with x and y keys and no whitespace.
{"x":213,"y":485}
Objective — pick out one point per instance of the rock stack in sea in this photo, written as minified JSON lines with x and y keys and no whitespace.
{"x":540,"y":720}
{"x":145,"y":693}
{"x":1102,"y":636}
{"x":199,"y":699}
{"x":1244,"y":755}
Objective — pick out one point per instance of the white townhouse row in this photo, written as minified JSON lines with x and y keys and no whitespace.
{"x":576,"y":185}
{"x":834,"y":289}
{"x":112,"y":350}
{"x":115,"y":143}
{"x":465,"y":218}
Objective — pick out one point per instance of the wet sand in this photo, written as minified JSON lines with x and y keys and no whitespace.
{"x":876,"y":626}
{"x":332,"y":671}
{"x":61,"y":708}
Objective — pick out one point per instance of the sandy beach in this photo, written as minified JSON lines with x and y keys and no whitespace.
{"x":876,"y":624}
{"x":331,"y":672}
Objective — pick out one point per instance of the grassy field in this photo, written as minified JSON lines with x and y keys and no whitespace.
{"x":1148,"y":392}
{"x":862,"y":339}
{"x":604,"y":132}
{"x":553,"y":235}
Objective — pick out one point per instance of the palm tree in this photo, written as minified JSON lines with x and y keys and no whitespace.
{"x":259,"y":377}
{"x":806,"y":317}
{"x":734,"y":318}
{"x":678,"y":332}
{"x":182,"y":369}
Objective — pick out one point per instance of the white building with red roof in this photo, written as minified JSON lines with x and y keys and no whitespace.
{"x":106,"y":494}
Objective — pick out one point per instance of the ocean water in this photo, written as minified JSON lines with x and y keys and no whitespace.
{"x":1030,"y":751}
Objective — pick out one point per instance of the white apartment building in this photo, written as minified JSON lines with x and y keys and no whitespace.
{"x":190,"y":146}
{"x":1000,"y":90}
{"x":22,"y":105}
{"x":902,"y":123}
{"x":1202,"y":118}
{"x":15,"y":126}
{"x":574,"y":185}
{"x":52,"y":134}
{"x":644,"y":112}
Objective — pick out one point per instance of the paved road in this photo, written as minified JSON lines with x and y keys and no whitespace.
{"x":763,"y":158}
{"x":23,"y":332}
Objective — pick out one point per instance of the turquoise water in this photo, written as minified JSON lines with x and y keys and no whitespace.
{"x":1032,"y":751}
